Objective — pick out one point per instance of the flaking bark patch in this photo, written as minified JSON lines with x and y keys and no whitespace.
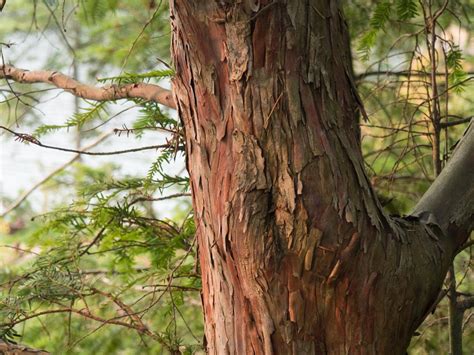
{"x":295,"y":251}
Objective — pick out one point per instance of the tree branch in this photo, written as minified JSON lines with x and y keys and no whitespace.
{"x":465,"y":303}
{"x":449,"y":202}
{"x":16,"y":349}
{"x":411,"y":73}
{"x":455,"y":123}
{"x":27,"y":193}
{"x":144,"y":91}
{"x":26,"y":138}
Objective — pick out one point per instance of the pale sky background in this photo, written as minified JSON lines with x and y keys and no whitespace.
{"x":21,"y":165}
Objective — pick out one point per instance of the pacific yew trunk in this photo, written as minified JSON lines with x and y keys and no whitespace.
{"x":295,"y":251}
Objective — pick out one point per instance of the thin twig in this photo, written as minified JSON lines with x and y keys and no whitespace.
{"x":27,"y":193}
{"x":23,"y":137}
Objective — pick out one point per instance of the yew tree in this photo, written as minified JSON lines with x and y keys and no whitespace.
{"x":296,"y":253}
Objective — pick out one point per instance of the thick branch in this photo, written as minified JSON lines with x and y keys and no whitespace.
{"x":465,"y":303}
{"x":449,"y":202}
{"x":16,"y":349}
{"x":144,"y":91}
{"x":455,"y":123}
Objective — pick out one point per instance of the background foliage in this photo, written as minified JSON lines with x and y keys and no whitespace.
{"x":109,"y":266}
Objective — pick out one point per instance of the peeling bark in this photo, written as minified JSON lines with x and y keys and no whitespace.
{"x":114,"y":92}
{"x":296,"y":253}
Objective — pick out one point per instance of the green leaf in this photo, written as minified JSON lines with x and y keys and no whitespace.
{"x":51,"y":2}
{"x":96,"y":111}
{"x":407,"y":9}
{"x":454,"y":58}
{"x":129,"y":78}
{"x":366,"y":44}
{"x":379,"y":18}
{"x":457,"y":74}
{"x":381,"y":15}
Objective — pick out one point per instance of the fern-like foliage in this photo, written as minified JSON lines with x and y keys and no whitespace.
{"x":129,"y":78}
{"x":157,"y":168}
{"x":366,"y":43}
{"x":152,"y":117}
{"x":381,"y":15}
{"x":457,"y":74}
{"x":97,"y":111}
{"x":93,"y":112}
{"x":407,"y":9}
{"x":93,"y":11}
{"x":117,"y":250}
{"x":51,"y":2}
{"x":107,"y":220}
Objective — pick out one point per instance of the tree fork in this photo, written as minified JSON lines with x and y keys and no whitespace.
{"x":295,"y":251}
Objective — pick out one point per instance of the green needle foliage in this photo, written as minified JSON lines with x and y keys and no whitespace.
{"x":107,"y":262}
{"x":111,"y":265}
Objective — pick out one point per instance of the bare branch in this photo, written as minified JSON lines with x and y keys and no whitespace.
{"x":144,"y":91}
{"x":26,"y":138}
{"x":27,"y":193}
{"x":403,"y":73}
{"x":9,"y":348}
{"x":455,"y":123}
{"x":155,"y":199}
{"x":465,"y":303}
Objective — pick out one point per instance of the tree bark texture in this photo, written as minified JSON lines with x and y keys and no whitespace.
{"x":296,"y":254}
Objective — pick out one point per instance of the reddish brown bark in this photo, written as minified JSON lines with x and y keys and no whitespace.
{"x":295,"y":251}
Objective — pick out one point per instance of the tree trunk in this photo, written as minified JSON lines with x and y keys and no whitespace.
{"x":295,"y":251}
